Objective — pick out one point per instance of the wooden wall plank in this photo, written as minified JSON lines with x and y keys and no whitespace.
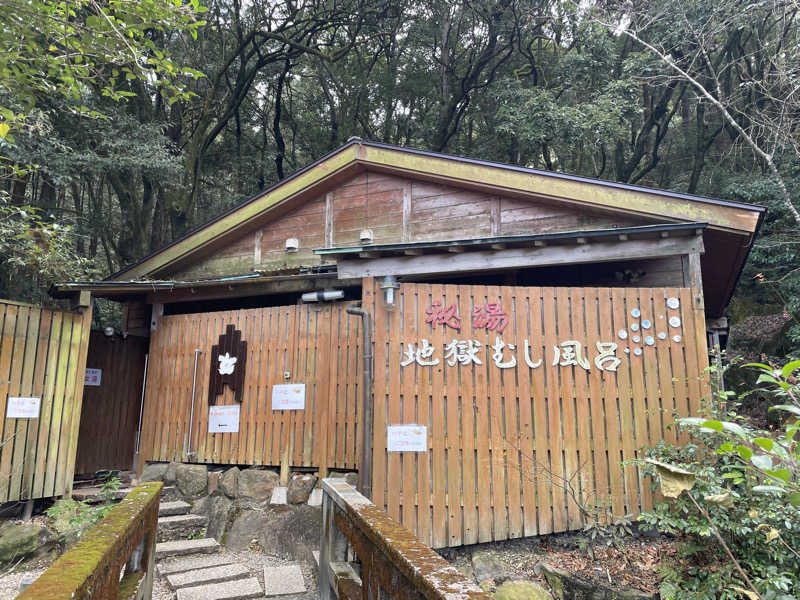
{"x":559,"y":419}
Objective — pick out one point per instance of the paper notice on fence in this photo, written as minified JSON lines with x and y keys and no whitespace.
{"x":289,"y":396}
{"x":93,"y":377}
{"x":23,"y":407}
{"x":407,"y":438}
{"x":223,"y":419}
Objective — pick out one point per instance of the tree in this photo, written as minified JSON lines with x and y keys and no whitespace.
{"x":741,"y":58}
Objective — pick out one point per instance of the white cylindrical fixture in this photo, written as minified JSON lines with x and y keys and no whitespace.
{"x":323,"y":296}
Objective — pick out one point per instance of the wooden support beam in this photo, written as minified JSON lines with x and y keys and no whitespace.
{"x":515,"y":258}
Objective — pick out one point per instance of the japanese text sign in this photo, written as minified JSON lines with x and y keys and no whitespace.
{"x":289,"y":396}
{"x":223,"y":419}
{"x":93,"y":377}
{"x":23,"y":407}
{"x":407,"y":438}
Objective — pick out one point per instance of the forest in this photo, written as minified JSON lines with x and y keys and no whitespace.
{"x":126,"y":123}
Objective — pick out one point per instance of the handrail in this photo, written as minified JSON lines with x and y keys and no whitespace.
{"x":93,"y":569}
{"x":391,"y":560}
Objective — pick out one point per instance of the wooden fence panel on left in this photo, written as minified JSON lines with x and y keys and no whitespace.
{"x":43,"y":357}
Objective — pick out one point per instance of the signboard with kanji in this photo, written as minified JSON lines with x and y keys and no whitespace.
{"x":407,"y":438}
{"x":223,"y":419}
{"x":289,"y":396}
{"x":93,"y":377}
{"x":23,"y":407}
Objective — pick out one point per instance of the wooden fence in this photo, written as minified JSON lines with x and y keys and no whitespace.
{"x":111,"y":409}
{"x":502,"y":438}
{"x":394,"y":563}
{"x":42,"y":355}
{"x":114,"y":560}
{"x":315,"y":344}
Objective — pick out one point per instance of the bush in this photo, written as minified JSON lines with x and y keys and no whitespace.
{"x":733,"y":494}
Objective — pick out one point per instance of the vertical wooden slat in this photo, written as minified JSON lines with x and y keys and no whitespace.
{"x":555,"y":447}
{"x":411,"y":376}
{"x":399,"y":338}
{"x":445,"y":480}
{"x":524,"y":447}
{"x":482,"y":416}
{"x":462,"y":378}
{"x":620,"y":392}
{"x":14,"y":335}
{"x":510,"y":405}
{"x":540,"y":463}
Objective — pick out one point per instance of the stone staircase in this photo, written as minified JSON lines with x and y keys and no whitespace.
{"x":192,"y":565}
{"x":198,"y":568}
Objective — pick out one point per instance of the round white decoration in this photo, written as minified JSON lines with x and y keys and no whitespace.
{"x":636,"y":313}
{"x":676,"y":338}
{"x":637,"y":351}
{"x":662,"y":335}
{"x":636,"y":339}
{"x":623,"y":335}
{"x":627,"y":350}
{"x":673,"y":302}
{"x":646,"y":324}
{"x":634,"y":327}
{"x":675,"y":321}
{"x":649,"y":340}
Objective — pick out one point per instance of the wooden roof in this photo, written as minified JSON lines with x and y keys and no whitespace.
{"x":730,"y":225}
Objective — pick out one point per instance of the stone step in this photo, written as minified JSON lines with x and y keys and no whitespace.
{"x":239,"y":589}
{"x":94,"y":494}
{"x":169,"y":493}
{"x":185,"y":547}
{"x":194,"y":562}
{"x":169,"y":509}
{"x":180,"y":527}
{"x":283,"y":580}
{"x":208,"y":575}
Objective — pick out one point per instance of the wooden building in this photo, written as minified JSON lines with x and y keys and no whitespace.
{"x":527,"y":326}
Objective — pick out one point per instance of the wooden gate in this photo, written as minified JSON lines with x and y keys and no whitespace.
{"x":42,"y":355}
{"x":315,"y":344}
{"x":527,"y":401}
{"x":111,"y":409}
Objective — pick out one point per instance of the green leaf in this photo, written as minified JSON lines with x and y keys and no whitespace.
{"x":761,"y":461}
{"x":787,"y":407}
{"x":758,"y":366}
{"x":764,"y":443}
{"x":751,"y":595}
{"x":4,"y":127}
{"x":790,"y":368}
{"x":714,"y":425}
{"x":726,"y":447}
{"x":782,"y":474}
{"x":764,"y":378}
{"x":768,"y":489}
{"x":745,"y":452}
{"x":725,"y":500}
{"x":794,"y":499}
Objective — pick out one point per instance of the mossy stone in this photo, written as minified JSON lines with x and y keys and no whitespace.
{"x":521,"y":590}
{"x":21,"y":540}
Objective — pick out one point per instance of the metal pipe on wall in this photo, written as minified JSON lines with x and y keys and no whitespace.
{"x":141,"y":412}
{"x":189,"y":452}
{"x":365,"y":465}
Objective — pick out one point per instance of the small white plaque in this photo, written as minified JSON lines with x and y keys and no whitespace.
{"x":407,"y":438}
{"x":23,"y":407}
{"x":289,"y":396}
{"x":93,"y":377}
{"x":223,"y":419}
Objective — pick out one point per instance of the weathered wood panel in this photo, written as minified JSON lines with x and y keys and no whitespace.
{"x":111,"y":410}
{"x":397,"y":210}
{"x":313,"y":344}
{"x":505,"y":433}
{"x":42,"y":355}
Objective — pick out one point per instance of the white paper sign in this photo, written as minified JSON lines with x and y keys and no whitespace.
{"x":407,"y":438}
{"x":23,"y":407}
{"x":92,"y":376}
{"x":289,"y":396}
{"x":223,"y":419}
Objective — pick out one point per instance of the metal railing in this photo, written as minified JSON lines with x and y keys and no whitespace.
{"x":114,"y":559}
{"x":389,"y":561}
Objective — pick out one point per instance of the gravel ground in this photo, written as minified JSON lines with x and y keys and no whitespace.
{"x":9,"y":581}
{"x":255,"y":562}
